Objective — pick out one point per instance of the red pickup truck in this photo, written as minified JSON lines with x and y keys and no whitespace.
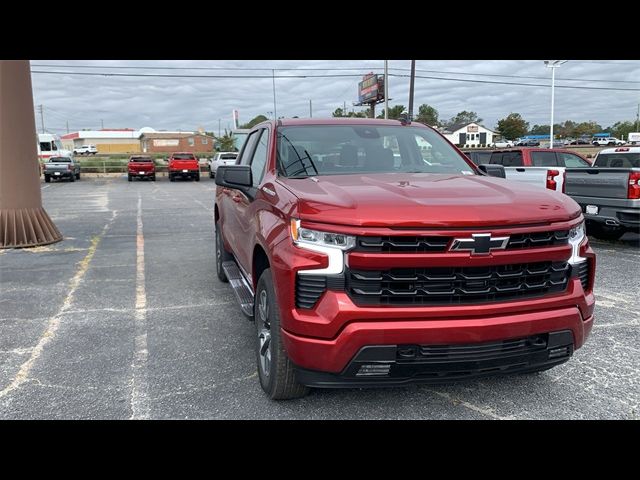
{"x":366,"y":260}
{"x":184,"y":165}
{"x":140,"y":166}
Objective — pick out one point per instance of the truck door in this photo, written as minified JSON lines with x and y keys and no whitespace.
{"x":230,"y":197}
{"x":248,"y":204}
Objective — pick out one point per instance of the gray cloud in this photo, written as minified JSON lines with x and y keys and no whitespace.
{"x":188,"y":103}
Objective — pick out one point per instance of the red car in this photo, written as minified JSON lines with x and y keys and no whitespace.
{"x":140,"y":166}
{"x":184,"y":165}
{"x":366,"y":260}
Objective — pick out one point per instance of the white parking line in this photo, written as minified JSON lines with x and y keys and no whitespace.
{"x":54,"y":322}
{"x":139,"y":393}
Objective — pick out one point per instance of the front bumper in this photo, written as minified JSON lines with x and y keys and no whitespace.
{"x":396,"y":365}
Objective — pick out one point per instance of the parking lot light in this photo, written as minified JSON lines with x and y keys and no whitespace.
{"x":552,"y":64}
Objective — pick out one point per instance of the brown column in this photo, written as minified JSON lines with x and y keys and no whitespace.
{"x":23,"y":221}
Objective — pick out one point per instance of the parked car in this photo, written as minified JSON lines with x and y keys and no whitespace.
{"x":543,"y":167}
{"x":61,"y":167}
{"x":580,"y":141}
{"x":609,"y":193}
{"x":184,"y":165}
{"x":141,"y":166}
{"x":85,"y":150}
{"x":362,"y":271}
{"x":528,"y":143}
{"x":221,"y":158}
{"x":602,"y":141}
{"x":503,"y":144}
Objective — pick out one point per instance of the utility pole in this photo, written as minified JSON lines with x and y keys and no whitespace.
{"x":310,"y":109}
{"x":275,"y":110}
{"x":344,"y":108}
{"x":411,"y":84}
{"x":41,"y":108}
{"x":67,"y":126}
{"x":638,"y":119}
{"x":386,"y":89}
{"x":219,"y":123}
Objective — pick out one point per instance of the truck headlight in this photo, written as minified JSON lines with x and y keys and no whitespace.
{"x":576,"y":236}
{"x":331,"y":244}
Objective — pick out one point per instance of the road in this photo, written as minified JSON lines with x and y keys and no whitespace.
{"x":126,"y":319}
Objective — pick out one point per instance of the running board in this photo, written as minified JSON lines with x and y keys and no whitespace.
{"x":240,"y":287}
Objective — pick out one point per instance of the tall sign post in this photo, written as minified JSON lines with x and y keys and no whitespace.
{"x":371,"y":92}
{"x":23,"y":221}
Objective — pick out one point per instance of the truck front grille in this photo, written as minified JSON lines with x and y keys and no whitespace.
{"x":456,"y":285}
{"x":435,"y":244}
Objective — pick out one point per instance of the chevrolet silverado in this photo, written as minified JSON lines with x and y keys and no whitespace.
{"x":365,"y":260}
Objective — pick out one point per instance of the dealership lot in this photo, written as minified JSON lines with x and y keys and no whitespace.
{"x":126,"y":319}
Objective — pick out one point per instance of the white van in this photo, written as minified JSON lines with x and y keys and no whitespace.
{"x":50,"y":145}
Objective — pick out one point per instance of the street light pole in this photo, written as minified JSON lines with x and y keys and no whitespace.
{"x":411,"y":82}
{"x":552,"y":64}
{"x":386,"y":89}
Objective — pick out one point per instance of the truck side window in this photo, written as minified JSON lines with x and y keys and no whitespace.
{"x":496,"y":158}
{"x":544,"y":159}
{"x":247,"y":149}
{"x":572,"y":161}
{"x":259,"y":161}
{"x":512,"y":159}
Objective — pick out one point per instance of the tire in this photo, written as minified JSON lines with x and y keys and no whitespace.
{"x":197,"y":177}
{"x":211,"y":175}
{"x":171,"y":178}
{"x":601,"y":233}
{"x":275,"y":370}
{"x":47,"y":178}
{"x":153,"y":178}
{"x":78,"y":176}
{"x":129,"y":177}
{"x":72,"y":178}
{"x":221,"y":255}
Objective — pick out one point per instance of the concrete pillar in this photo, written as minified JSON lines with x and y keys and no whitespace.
{"x":23,"y":221}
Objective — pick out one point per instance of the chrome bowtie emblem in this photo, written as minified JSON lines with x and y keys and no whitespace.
{"x":480,"y":243}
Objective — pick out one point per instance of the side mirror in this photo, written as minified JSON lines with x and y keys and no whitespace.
{"x":492,"y":170}
{"x":234,"y":176}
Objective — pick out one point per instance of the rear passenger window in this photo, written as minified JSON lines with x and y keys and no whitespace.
{"x":572,"y":161}
{"x":508,"y":159}
{"x":544,"y":159}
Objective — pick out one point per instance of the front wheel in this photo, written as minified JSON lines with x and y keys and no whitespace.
{"x":275,"y":370}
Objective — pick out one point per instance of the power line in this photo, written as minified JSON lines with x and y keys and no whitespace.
{"x":136,"y":67}
{"x":577,"y":87}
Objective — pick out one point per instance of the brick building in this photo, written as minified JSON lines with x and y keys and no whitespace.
{"x":169,"y":142}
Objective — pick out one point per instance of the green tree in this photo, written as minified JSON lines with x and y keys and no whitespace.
{"x":225,"y":143}
{"x":513,"y":126}
{"x":338,"y":112}
{"x":462,"y":118}
{"x":587,"y":129}
{"x":540,"y":130}
{"x":622,"y":129}
{"x":427,"y":115}
{"x":254,"y":121}
{"x":394,"y":112}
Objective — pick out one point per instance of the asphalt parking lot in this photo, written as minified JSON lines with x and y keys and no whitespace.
{"x":126,"y":319}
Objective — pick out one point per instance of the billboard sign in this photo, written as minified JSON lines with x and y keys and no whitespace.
{"x":371,"y":88}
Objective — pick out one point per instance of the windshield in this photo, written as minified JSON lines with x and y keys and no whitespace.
{"x":345,"y":149}
{"x":59,"y":160}
{"x":184,"y":157}
{"x":141,"y":159}
{"x":228,"y":157}
{"x":618,"y":160}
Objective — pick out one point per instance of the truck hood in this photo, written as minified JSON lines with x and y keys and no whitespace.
{"x":426,"y":200}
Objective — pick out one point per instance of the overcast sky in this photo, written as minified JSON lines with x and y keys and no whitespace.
{"x":189,"y":103}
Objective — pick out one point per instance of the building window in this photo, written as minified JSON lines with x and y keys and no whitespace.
{"x":205,"y":140}
{"x":192,"y":141}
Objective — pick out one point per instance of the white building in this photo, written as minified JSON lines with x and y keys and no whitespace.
{"x":471,"y":135}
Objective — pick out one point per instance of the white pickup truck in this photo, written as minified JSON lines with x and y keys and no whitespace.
{"x":543,"y":167}
{"x":85,"y":150}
